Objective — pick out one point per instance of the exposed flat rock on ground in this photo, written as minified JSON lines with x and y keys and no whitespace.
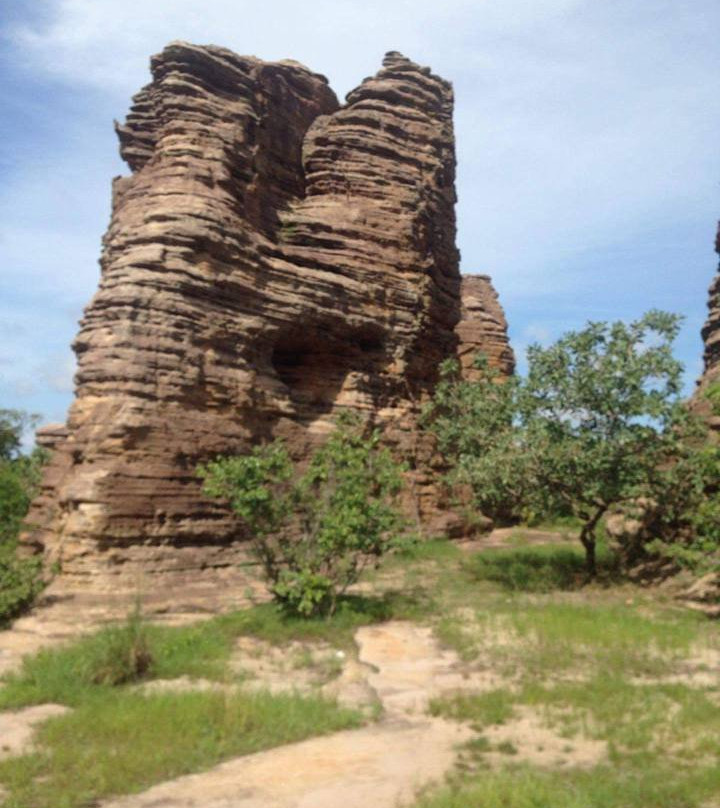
{"x":64,"y":612}
{"x":384,"y":764}
{"x":377,"y":765}
{"x":18,"y":726}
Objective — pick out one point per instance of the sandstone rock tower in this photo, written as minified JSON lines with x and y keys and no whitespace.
{"x":711,"y":340}
{"x":273,"y":257}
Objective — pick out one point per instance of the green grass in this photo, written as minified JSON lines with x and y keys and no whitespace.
{"x":602,"y":787}
{"x":542,"y":568}
{"x":639,"y":722}
{"x":540,"y":639}
{"x":588,"y":662}
{"x":269,"y":623}
{"x":442,"y":550}
{"x":604,"y":637}
{"x":70,"y":673}
{"x":122,"y":742}
{"x":483,"y":709}
{"x":118,"y":740}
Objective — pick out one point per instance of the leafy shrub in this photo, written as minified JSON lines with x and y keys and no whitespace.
{"x":20,"y":582}
{"x":314,"y":532}
{"x":685,"y":517}
{"x":20,"y":579}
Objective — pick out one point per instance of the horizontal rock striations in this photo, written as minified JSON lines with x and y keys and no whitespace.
{"x":482,"y":328}
{"x":272,"y":258}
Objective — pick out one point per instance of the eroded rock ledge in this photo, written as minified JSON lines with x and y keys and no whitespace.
{"x":272,"y":258}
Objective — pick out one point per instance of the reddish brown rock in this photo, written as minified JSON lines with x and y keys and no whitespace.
{"x":711,"y":340}
{"x":272,"y":258}
{"x":482,"y":328}
{"x":50,"y":436}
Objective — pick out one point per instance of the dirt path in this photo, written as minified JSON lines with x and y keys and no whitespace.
{"x":379,"y":765}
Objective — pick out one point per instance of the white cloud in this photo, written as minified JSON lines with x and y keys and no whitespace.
{"x":587,"y":136}
{"x":106,"y":43}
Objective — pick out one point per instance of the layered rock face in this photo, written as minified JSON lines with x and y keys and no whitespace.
{"x":483,"y":328}
{"x":711,"y":356}
{"x":273,"y":258}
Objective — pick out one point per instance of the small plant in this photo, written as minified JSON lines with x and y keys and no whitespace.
{"x":20,"y":582}
{"x":122,"y":654}
{"x":506,"y":748}
{"x":712,"y":395}
{"x":314,"y":533}
{"x":482,"y":709}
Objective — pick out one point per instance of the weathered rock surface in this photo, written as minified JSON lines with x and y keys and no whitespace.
{"x":482,"y":327}
{"x":711,"y":341}
{"x":17,"y":727}
{"x":383,"y":764}
{"x":273,"y":257}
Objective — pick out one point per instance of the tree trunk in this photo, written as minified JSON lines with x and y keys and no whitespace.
{"x":587,"y":538}
{"x":588,"y":542}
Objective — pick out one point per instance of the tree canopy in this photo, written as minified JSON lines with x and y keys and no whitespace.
{"x":594,"y":422}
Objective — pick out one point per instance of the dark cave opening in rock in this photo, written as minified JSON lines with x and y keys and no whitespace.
{"x":314,"y":363}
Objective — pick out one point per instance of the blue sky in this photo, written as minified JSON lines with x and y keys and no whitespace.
{"x":588,"y":137}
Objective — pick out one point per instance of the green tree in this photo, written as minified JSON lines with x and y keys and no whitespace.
{"x":19,"y":478}
{"x":592,"y":425}
{"x":313,"y":532}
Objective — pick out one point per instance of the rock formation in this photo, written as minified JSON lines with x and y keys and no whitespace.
{"x":272,"y":258}
{"x":711,"y":356}
{"x":482,"y":327}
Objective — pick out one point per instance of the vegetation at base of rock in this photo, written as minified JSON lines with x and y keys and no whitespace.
{"x":712,"y":395}
{"x":682,"y":522}
{"x":597,"y":423}
{"x":314,"y":532}
{"x":99,"y":662}
{"x":20,"y":579}
{"x":539,"y":569}
{"x":124,"y":741}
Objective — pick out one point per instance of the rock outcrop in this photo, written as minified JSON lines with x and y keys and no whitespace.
{"x":482,"y":327}
{"x":709,"y":384}
{"x":272,"y":258}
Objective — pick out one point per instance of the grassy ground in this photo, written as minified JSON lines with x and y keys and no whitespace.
{"x":608,"y":663}
{"x":118,"y":740}
{"x":121,"y":742}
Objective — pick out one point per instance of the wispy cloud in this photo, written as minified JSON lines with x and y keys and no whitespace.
{"x":587,"y":140}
